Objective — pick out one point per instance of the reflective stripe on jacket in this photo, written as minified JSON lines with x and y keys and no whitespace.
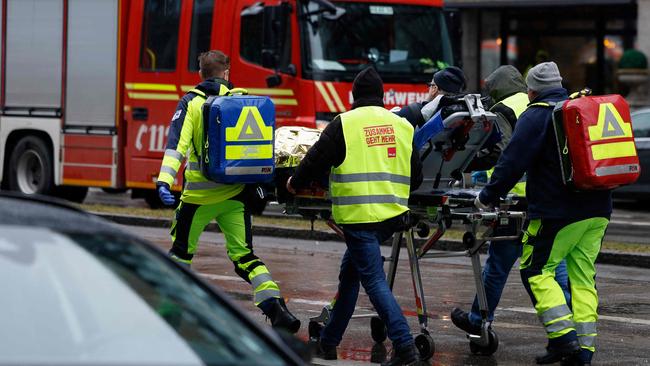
{"x":372,"y":184}
{"x":185,"y":137}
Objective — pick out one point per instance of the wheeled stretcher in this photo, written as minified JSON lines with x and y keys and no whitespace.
{"x":438,"y":204}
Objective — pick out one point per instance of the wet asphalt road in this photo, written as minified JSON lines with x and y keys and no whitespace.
{"x":307,"y":274}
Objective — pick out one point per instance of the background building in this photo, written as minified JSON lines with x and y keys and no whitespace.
{"x":585,"y":37}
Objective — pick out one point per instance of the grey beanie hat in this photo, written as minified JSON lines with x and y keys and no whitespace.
{"x":544,"y":76}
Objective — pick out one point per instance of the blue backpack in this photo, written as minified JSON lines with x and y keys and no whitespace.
{"x":238,"y":134}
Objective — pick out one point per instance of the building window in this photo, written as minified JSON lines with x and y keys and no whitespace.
{"x":491,"y":43}
{"x":201,"y":31}
{"x":160,"y":35}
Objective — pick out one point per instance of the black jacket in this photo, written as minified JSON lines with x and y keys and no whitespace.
{"x":329,"y":151}
{"x":412,"y":113}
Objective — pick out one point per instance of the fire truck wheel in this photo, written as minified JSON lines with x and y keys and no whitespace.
{"x":30,"y":167}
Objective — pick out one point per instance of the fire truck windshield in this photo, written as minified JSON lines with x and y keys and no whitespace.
{"x":406,"y":43}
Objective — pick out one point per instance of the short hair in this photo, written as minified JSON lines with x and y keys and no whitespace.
{"x":213,"y":64}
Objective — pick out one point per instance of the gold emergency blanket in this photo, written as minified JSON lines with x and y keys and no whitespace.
{"x":292,"y":143}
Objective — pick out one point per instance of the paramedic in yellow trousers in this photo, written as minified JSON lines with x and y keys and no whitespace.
{"x":203,"y":200}
{"x":507,"y":89}
{"x":373,"y":166}
{"x":564,"y":224}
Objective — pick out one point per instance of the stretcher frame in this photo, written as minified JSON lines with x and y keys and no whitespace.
{"x":444,"y":159}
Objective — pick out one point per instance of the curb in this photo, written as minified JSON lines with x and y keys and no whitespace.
{"x":604,"y":257}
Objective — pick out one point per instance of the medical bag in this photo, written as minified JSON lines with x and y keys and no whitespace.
{"x":595,"y":142}
{"x":238,"y":138}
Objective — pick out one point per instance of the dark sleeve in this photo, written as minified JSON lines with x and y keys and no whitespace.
{"x":327,"y":152}
{"x":412,"y":113}
{"x":526,"y":143}
{"x":485,"y":159}
{"x":416,"y":170}
{"x":488,"y":156}
{"x":177,"y":122}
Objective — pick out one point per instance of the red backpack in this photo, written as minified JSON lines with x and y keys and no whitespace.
{"x":595,"y":141}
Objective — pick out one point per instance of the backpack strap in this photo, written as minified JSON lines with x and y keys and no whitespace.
{"x":542,"y":104}
{"x":205,"y":109}
{"x":582,"y":93}
{"x":240,"y":91}
{"x":210,"y":99}
{"x":197,"y":92}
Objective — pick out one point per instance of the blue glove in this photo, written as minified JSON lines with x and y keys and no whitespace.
{"x":479,"y":176}
{"x":165,"y":195}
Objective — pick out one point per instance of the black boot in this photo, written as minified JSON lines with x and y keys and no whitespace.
{"x":557,"y":353}
{"x":404,"y":356}
{"x":579,"y":359}
{"x":574,"y":361}
{"x":323,"y":351}
{"x":461,"y":320}
{"x":279,"y":315}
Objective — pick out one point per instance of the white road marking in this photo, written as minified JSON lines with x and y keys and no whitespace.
{"x":619,"y":319}
{"x":309,"y":302}
{"x":220,"y":277}
{"x":216,"y":277}
{"x":633,"y":223}
{"x":291,"y":299}
{"x":321,"y":362}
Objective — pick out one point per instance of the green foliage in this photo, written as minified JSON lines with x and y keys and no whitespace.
{"x":633,"y":59}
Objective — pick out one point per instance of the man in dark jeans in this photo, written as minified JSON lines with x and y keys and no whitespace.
{"x":507,"y":89}
{"x":374,"y":166}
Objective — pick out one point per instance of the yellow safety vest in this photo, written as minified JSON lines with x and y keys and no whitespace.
{"x":373,"y":182}
{"x":197,"y":189}
{"x":517,"y":103}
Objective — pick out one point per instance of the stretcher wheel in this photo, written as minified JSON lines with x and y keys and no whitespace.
{"x":377,"y":329}
{"x":493,"y":345}
{"x":469,"y":240}
{"x":314,"y":330}
{"x":425,"y":346}
{"x":423,"y":230}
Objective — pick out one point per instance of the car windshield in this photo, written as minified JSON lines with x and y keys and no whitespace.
{"x":97,"y":299}
{"x":406,"y":43}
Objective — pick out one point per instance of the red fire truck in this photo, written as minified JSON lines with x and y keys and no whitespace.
{"x":88,"y":86}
